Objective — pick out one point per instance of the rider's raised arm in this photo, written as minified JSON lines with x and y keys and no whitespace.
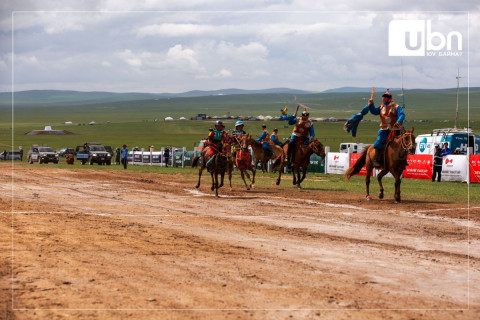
{"x":371,"y":107}
{"x":291,"y":119}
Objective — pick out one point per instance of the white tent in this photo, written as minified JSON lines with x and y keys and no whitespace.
{"x":182,"y":118}
{"x":91,"y":122}
{"x":48,"y":128}
{"x":168,"y":119}
{"x":68,"y":122}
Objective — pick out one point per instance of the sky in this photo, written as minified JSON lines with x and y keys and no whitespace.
{"x":177,"y":46}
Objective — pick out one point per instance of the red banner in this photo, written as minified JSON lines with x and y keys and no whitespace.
{"x":475,"y":168}
{"x":353,"y":158}
{"x":420,"y":166}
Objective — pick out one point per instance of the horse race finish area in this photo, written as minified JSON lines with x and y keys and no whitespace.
{"x":109,"y":244}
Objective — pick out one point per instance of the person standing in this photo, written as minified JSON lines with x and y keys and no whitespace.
{"x":166,"y":156}
{"x":21,"y":153}
{"x":124,"y":156}
{"x":437,"y":164}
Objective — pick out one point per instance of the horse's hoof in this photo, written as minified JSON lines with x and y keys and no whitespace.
{"x":231,"y":189}
{"x":380,"y":196}
{"x":212,"y":188}
{"x":248,"y":188}
{"x":197,"y":186}
{"x":368,"y":198}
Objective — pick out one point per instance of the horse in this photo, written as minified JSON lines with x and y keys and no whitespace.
{"x":258,"y":151}
{"x":301,"y":159}
{"x":219,"y":166}
{"x":395,"y":161}
{"x":243,"y":161}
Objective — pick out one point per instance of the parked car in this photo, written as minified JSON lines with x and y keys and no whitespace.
{"x":64,"y":151}
{"x":93,"y":152}
{"x":42,"y":154}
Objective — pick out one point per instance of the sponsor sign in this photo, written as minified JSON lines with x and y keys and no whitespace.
{"x":420,"y":166}
{"x":337,"y":163}
{"x":455,"y":168}
{"x":475,"y":168}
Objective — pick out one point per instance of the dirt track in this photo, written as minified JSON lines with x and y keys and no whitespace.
{"x":110,"y":244}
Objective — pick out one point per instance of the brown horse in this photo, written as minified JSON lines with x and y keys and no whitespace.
{"x":301,"y":159}
{"x":395,"y":161}
{"x":219,"y":166}
{"x":242,"y":164}
{"x":258,"y":153}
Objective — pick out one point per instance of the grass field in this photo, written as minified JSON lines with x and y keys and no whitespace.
{"x":132,"y":122}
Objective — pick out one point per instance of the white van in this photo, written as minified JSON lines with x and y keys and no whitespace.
{"x":356,"y":147}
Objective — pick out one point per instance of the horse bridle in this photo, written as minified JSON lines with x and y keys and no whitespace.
{"x":404,"y":144}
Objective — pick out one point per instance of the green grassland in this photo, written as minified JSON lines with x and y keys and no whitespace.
{"x":132,"y":122}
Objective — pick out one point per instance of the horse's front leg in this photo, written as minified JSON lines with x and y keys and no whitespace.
{"x":216,"y":184}
{"x":202,"y":166}
{"x":379,"y":178}
{"x":294,"y":181}
{"x":279,"y":175}
{"x":398,"y":181}
{"x":304,"y":173}
{"x":213,"y":180}
{"x":254,"y":172}
{"x":243,"y":172}
{"x":222,"y":175}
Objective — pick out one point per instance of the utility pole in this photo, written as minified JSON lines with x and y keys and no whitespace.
{"x":458,"y":89}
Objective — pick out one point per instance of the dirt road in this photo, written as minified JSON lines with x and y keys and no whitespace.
{"x":105,"y":244}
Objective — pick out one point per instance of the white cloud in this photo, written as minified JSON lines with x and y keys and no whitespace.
{"x":224,"y":73}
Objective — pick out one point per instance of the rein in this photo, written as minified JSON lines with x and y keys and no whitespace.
{"x":406,"y":146}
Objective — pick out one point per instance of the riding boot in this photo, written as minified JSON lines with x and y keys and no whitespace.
{"x":376,"y":157}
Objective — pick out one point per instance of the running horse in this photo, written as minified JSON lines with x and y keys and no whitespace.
{"x":218,"y":167}
{"x":394,"y":161}
{"x":301,"y":159}
{"x":258,"y":153}
{"x":243,"y":161}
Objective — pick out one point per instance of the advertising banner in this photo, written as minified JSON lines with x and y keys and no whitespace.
{"x":337,"y":163}
{"x":475,"y":168}
{"x":455,"y":168}
{"x":420,"y":166}
{"x":353,"y":158}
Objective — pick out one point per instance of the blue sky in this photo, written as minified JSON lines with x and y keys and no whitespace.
{"x":176,"y":46}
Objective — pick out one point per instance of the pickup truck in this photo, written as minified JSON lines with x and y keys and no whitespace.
{"x":93,"y":153}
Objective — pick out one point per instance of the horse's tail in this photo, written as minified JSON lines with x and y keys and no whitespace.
{"x":195,"y":161}
{"x":355,"y":169}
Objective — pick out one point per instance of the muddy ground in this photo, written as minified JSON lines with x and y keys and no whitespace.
{"x":103,"y":244}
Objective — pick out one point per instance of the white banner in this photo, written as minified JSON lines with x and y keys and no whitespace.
{"x":455,"y":168}
{"x":337,"y":163}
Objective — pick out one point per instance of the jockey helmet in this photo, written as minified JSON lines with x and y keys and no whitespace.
{"x":387,"y":94}
{"x":305,"y":113}
{"x":264,"y":125}
{"x":239,"y":123}
{"x":218,"y":123}
{"x":275,"y":129}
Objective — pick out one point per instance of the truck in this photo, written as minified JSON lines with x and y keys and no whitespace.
{"x":93,"y":152}
{"x":459,"y":139}
{"x":42,"y":154}
{"x":356,"y":147}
